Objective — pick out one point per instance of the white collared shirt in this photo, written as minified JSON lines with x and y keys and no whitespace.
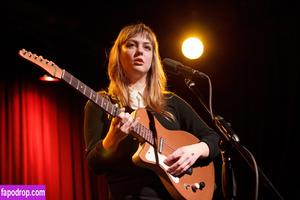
{"x":136,"y":98}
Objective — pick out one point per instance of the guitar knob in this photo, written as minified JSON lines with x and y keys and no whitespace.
{"x":186,"y":186}
{"x":201,"y":185}
{"x":198,"y":186}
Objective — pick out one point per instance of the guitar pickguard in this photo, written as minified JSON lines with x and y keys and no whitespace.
{"x":150,"y":156}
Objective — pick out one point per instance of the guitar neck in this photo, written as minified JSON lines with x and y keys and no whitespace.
{"x":101,"y":101}
{"x":139,"y":130}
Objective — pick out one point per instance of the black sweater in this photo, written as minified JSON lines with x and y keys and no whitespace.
{"x":125,"y":179}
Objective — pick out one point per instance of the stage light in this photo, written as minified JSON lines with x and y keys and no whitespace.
{"x":48,"y":78}
{"x":192,"y":48}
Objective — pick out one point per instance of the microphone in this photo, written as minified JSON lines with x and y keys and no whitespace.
{"x":176,"y":68}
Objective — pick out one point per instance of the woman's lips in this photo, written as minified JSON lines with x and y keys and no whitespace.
{"x":138,"y":61}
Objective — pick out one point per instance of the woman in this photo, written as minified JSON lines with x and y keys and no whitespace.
{"x":137,"y":80}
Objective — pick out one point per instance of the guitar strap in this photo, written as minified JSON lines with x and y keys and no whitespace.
{"x":154,"y":134}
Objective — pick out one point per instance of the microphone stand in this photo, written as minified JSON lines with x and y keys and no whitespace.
{"x":228,"y":141}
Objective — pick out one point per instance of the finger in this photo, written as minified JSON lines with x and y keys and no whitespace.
{"x":127,"y":121}
{"x":172,"y":158}
{"x":122,"y":109}
{"x":125,"y":127}
{"x":186,"y":167}
{"x":116,"y":122}
{"x":175,"y":167}
{"x":189,"y":161}
{"x":169,"y":160}
{"x":182,"y":168}
{"x":134,"y":123}
{"x":122,"y":113}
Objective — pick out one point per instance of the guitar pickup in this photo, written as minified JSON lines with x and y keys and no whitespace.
{"x":161,"y":145}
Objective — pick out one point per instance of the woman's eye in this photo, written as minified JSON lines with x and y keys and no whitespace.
{"x":148,"y":48}
{"x":129,"y":45}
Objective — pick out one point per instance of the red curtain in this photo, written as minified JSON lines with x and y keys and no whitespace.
{"x":42,"y":140}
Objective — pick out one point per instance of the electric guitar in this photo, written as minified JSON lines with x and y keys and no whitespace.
{"x":196,"y":184}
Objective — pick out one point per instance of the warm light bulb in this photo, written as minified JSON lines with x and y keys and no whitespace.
{"x":48,"y":78}
{"x":192,"y":48}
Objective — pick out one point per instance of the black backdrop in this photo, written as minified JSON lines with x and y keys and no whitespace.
{"x":250,"y":55}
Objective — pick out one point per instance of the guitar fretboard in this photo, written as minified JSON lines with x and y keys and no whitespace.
{"x":105,"y":104}
{"x":91,"y":94}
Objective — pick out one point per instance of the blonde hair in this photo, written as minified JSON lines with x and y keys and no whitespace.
{"x":156,"y":79}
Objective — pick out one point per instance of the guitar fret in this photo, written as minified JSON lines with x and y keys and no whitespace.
{"x":70,"y":81}
{"x":109,"y":107}
{"x":77,"y":86}
{"x":84,"y":89}
{"x":80,"y":87}
{"x":107,"y":104}
{"x":137,"y":128}
{"x":91,"y":94}
{"x":113,"y":110}
{"x":104,"y":104}
{"x":147,"y":135}
{"x":151,"y":140}
{"x":101,"y":102}
{"x":96,"y":99}
{"x":142,"y":129}
{"x":144,"y":133}
{"x":87,"y":90}
{"x":73,"y":81}
{"x":65,"y":76}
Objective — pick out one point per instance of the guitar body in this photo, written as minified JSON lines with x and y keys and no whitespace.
{"x":178,"y":187}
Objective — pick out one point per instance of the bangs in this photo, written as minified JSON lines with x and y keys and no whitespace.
{"x":132,"y":30}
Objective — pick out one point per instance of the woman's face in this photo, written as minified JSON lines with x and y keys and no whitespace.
{"x":136,"y":57}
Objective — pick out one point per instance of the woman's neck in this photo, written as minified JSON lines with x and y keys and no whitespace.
{"x":138,"y":85}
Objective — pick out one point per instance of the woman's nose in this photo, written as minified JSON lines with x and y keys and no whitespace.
{"x":140,"y":49}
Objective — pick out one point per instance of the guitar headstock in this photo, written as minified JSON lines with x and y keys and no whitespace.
{"x":47,"y":65}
